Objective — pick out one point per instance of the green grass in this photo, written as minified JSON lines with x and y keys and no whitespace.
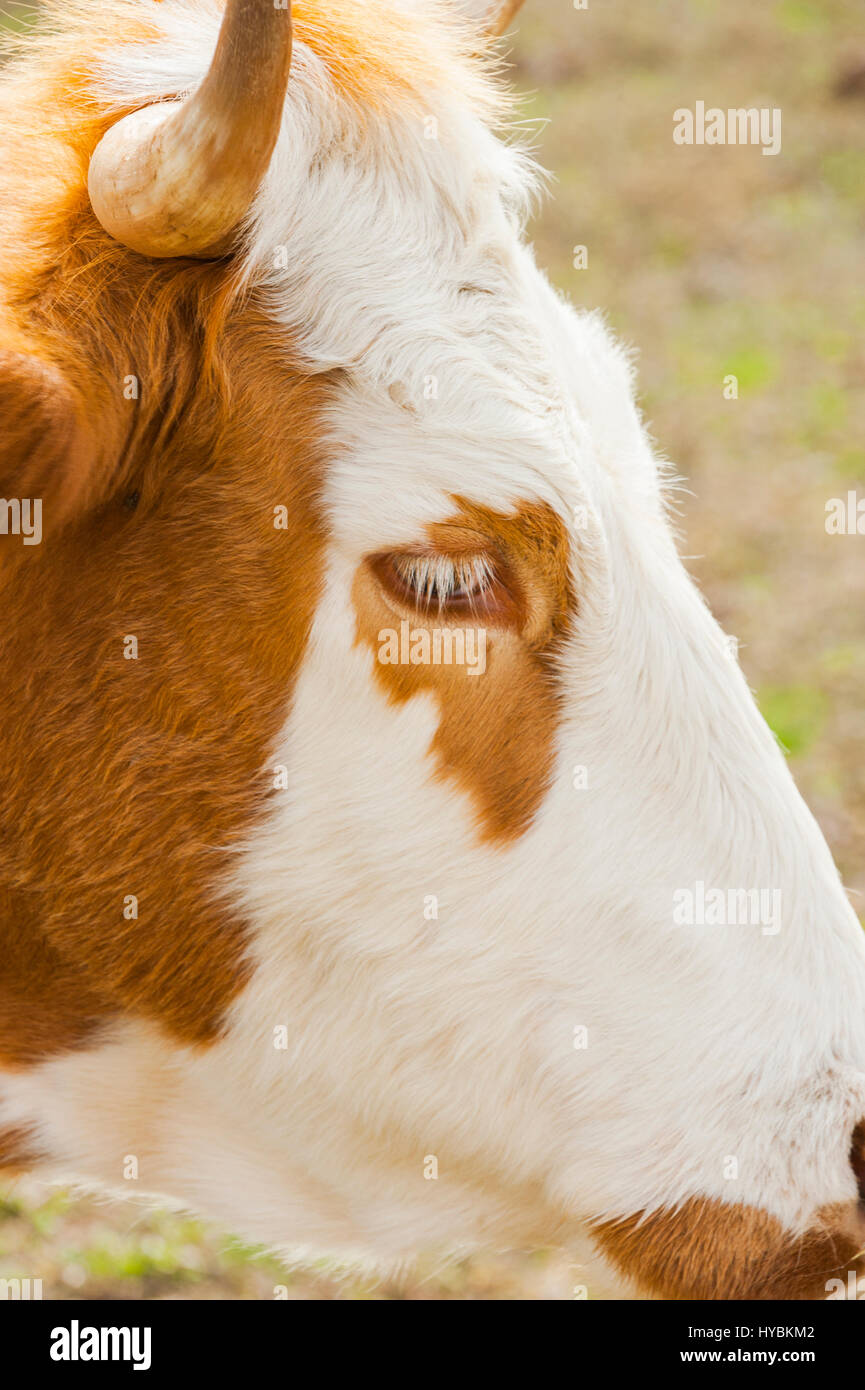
{"x":796,"y":714}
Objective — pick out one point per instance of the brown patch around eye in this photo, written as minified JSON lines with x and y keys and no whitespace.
{"x":496,"y":733}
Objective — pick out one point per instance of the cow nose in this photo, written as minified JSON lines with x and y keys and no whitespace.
{"x":857,"y":1158}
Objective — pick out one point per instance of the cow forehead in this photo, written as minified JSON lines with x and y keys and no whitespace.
{"x":551,"y":434}
{"x":460,"y":370}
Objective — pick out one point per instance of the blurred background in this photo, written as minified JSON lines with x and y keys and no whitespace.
{"x":710,"y":261}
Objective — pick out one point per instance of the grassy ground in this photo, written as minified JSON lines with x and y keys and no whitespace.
{"x":711,"y":261}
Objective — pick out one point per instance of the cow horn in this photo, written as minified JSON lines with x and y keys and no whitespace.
{"x":177,"y":178}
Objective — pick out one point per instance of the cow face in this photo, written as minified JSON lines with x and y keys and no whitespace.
{"x":507,"y":875}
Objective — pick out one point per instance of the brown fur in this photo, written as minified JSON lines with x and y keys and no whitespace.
{"x":18,"y":1151}
{"x":127,"y":777}
{"x":706,"y":1249}
{"x":857,"y":1159}
{"x":137,"y":776}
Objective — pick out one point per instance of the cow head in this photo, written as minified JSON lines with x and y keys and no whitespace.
{"x":380,"y":791}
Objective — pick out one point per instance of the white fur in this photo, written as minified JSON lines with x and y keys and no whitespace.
{"x":454,"y":1038}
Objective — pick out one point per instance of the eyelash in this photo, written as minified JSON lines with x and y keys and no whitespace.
{"x":443,"y":579}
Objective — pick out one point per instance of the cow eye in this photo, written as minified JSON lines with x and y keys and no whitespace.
{"x":430,"y":582}
{"x":436,"y":580}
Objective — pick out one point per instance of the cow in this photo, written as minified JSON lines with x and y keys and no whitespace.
{"x":309,"y":924}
